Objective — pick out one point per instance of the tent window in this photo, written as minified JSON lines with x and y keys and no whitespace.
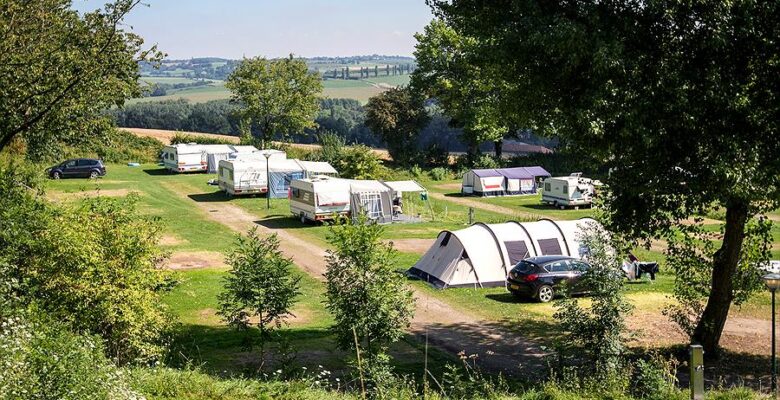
{"x":445,"y":240}
{"x":550,"y":247}
{"x":517,"y":251}
{"x":464,"y":255}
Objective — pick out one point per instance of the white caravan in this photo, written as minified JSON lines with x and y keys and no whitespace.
{"x":189,"y":157}
{"x":319,"y":198}
{"x":242,"y":176}
{"x":568,"y":191}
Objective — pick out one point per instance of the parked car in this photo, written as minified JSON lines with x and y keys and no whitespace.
{"x":78,"y":168}
{"x":543,"y":277}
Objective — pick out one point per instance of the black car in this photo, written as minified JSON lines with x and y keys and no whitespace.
{"x":542,"y":277}
{"x":78,"y":168}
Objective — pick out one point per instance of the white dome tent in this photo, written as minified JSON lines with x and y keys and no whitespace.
{"x":482,"y":254}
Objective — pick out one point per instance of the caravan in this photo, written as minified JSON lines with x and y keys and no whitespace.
{"x":319,"y":198}
{"x":502,"y":181}
{"x":193,"y":157}
{"x":242,"y":176}
{"x":568,"y":191}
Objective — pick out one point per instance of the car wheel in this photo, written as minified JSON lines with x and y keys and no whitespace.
{"x":93,"y":175}
{"x":56,"y":175}
{"x":545,"y":294}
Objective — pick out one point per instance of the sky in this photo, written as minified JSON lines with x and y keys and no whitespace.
{"x":273,"y":28}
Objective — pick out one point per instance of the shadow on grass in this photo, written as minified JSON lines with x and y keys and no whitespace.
{"x":509,"y":298}
{"x":212,"y":197}
{"x":278,"y":221}
{"x":157,"y":171}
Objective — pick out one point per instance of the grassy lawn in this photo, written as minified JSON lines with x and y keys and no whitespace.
{"x":203,"y":339}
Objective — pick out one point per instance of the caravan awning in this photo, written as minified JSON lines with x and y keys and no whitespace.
{"x":405,"y":186}
{"x":318,"y":167}
{"x":357,"y":186}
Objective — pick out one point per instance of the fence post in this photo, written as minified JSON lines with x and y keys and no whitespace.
{"x":697,"y":372}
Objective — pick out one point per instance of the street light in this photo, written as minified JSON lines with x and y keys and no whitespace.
{"x":267,"y":155}
{"x":773,"y":283}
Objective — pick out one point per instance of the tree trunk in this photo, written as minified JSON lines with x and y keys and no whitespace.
{"x":498,"y":145}
{"x":713,"y":319}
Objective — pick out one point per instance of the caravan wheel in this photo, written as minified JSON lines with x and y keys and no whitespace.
{"x":563,"y":207}
{"x":303,"y":219}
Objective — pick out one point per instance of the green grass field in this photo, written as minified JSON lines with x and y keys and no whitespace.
{"x":204,"y":340}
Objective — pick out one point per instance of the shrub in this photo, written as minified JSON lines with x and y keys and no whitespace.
{"x":93,"y":265}
{"x":436,"y":155}
{"x":653,"y":379}
{"x":260,"y":288}
{"x":440,"y":174}
{"x":44,"y":360}
{"x":369,"y":300}
{"x":358,"y":162}
{"x":416,"y":172}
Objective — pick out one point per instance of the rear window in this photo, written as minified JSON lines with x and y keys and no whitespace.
{"x":524,"y":267}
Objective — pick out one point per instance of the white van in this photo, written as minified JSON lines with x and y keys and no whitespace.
{"x":568,"y":191}
{"x":319,"y":198}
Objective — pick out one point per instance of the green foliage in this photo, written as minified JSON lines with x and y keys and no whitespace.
{"x":260,"y":287}
{"x":481,"y":161}
{"x":598,"y":332}
{"x":112,"y":146}
{"x":398,"y":115}
{"x":181,"y":137}
{"x":654,"y":379}
{"x":369,"y":300}
{"x":277,"y":97}
{"x":358,"y":162}
{"x":60,"y":68}
{"x":440,"y":174}
{"x":333,"y":147}
{"x":44,"y":360}
{"x":93,"y":265}
{"x":686,"y":113}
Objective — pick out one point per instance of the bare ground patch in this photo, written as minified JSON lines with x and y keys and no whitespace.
{"x":171,"y":240}
{"x":418,"y":246}
{"x":195,"y":260}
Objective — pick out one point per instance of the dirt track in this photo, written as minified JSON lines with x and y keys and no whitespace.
{"x":447,"y":328}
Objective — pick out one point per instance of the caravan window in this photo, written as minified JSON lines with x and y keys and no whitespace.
{"x":547,"y":187}
{"x":445,"y":240}
{"x":296,"y":193}
{"x":549,"y":247}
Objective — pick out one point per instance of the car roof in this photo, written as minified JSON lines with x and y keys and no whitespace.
{"x":543,"y":260}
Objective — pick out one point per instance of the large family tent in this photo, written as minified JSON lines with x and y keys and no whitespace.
{"x":281,"y":173}
{"x":482,"y":254}
{"x":503,"y":181}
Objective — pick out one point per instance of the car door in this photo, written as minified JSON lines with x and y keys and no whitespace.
{"x":84,"y":168}
{"x":558,"y":272}
{"x":579,"y":269}
{"x":69,"y":168}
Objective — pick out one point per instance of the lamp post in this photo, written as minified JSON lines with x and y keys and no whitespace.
{"x":267,"y":155}
{"x":773,"y":283}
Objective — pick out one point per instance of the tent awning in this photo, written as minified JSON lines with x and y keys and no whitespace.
{"x":356,"y":186}
{"x":405,"y":186}
{"x":484,"y":173}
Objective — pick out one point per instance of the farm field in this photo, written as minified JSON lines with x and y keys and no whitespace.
{"x":360,"y":90}
{"x":201,"y":223}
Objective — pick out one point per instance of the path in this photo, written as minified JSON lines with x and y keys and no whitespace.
{"x":447,"y":328}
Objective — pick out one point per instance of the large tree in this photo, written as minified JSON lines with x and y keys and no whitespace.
{"x":398,"y":116}
{"x":59,"y":69}
{"x":277,"y":97}
{"x":465,"y":90}
{"x":678,"y":98}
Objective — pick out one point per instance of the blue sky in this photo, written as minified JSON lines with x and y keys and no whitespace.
{"x":272,"y":28}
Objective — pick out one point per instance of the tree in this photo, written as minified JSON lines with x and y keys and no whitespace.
{"x":93,"y":266}
{"x":397,"y":115}
{"x":365,"y":294}
{"x":463,"y":89}
{"x":277,"y":97}
{"x":59,"y":69}
{"x":260,"y":287}
{"x":679,"y":100}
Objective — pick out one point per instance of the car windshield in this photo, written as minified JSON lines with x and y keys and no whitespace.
{"x":524,"y":267}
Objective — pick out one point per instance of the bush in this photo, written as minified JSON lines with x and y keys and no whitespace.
{"x":260,"y":288}
{"x":436,"y":155}
{"x":358,"y":162}
{"x":181,"y":137}
{"x":653,"y":379}
{"x":440,"y":174}
{"x":93,"y":265}
{"x":47,"y":361}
